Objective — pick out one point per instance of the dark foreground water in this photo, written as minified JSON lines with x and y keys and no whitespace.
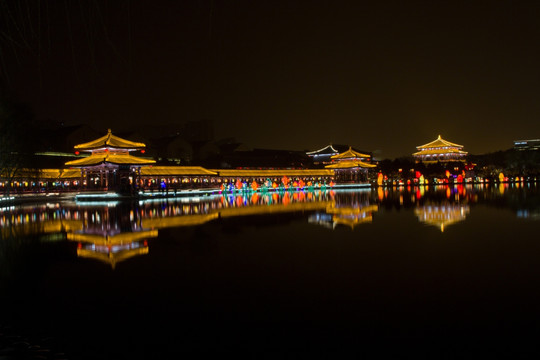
{"x":437,"y":273}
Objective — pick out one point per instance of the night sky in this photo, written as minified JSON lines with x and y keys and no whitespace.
{"x":381,"y":77}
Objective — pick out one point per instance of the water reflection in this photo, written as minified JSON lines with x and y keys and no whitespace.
{"x":441,"y":215}
{"x":114,"y":232}
{"x":347,"y":209}
{"x":112,"y":248}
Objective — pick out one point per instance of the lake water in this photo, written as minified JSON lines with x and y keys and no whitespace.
{"x":439,"y":272}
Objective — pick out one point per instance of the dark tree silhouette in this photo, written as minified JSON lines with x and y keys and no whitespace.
{"x":18,"y":141}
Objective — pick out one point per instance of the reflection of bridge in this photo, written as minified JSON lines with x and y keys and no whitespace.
{"x":119,"y":231}
{"x":42,"y":227}
{"x":442,"y":215}
{"x":190,"y":220}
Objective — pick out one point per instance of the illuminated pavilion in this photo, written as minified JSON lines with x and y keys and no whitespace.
{"x":439,"y":150}
{"x":110,"y":164}
{"x":349,"y":166}
{"x":324,"y":155}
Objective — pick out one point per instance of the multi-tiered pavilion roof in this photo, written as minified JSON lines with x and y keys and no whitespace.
{"x":349,"y":159}
{"x":440,"y":150}
{"x":325,"y":154}
{"x":109,"y":149}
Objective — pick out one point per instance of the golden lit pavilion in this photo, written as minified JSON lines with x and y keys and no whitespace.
{"x":110,"y":164}
{"x":439,"y":150}
{"x":349,"y":166}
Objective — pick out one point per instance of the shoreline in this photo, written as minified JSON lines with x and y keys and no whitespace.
{"x":105,"y":195}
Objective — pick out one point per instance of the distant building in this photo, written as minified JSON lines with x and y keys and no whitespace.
{"x":439,"y":150}
{"x":527,"y":144}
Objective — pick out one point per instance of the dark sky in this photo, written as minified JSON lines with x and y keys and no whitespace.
{"x":383,"y":77}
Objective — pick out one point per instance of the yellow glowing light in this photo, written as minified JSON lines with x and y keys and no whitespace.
{"x":380,"y":179}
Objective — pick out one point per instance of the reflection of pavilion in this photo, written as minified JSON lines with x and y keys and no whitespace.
{"x":442,"y":215}
{"x":113,"y":248}
{"x":350,"y":216}
{"x":111,"y":235}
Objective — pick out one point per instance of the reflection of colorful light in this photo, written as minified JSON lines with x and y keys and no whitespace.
{"x":286,"y":199}
{"x":254,"y":198}
{"x":239,"y":201}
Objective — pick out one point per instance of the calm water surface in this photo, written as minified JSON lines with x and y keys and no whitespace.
{"x":437,"y":272}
